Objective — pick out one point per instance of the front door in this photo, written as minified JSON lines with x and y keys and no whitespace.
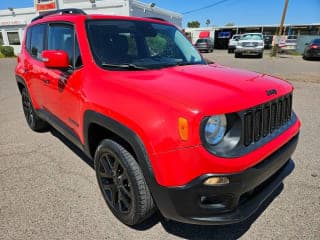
{"x":63,"y":88}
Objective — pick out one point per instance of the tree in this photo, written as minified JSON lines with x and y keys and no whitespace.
{"x":229,"y":24}
{"x":193,"y":24}
{"x":208,"y":22}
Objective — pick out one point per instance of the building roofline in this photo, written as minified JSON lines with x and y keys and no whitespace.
{"x":254,"y":26}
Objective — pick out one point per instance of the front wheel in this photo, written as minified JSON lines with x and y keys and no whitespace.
{"x":237,"y":55}
{"x":122,"y":183}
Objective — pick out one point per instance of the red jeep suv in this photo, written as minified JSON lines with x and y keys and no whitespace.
{"x":202,"y":143}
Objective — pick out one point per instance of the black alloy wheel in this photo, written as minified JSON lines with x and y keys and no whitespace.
{"x":115,"y":182}
{"x":122,"y":183}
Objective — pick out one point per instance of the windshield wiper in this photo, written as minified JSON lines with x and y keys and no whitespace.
{"x":183,"y":64}
{"x":124,"y":66}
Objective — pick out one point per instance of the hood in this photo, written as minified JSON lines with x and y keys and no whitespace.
{"x":209,"y":89}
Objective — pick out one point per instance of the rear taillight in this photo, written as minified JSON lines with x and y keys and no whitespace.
{"x":314,"y":46}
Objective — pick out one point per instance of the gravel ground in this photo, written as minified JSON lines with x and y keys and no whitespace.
{"x":49,"y":191}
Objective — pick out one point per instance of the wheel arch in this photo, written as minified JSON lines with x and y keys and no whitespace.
{"x":21,"y":83}
{"x":105,"y":126}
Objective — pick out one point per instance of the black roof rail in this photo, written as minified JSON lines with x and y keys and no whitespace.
{"x":60,"y":11}
{"x":159,"y":19}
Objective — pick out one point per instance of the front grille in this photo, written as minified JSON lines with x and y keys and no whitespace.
{"x":249,"y":44}
{"x":260,"y":121}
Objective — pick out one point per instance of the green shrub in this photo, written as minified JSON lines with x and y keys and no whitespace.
{"x":7,"y":51}
{"x":1,"y":55}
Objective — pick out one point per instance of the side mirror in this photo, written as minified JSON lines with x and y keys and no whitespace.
{"x":306,"y":44}
{"x":55,"y":59}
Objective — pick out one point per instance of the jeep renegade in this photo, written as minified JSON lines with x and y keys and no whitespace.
{"x":202,"y":143}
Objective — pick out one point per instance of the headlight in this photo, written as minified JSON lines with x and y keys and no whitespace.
{"x":215,"y":129}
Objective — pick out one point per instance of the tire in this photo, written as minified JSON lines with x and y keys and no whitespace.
{"x":237,"y":55}
{"x":34,"y":122}
{"x":122,"y":183}
{"x":230,"y":51}
{"x":260,"y":55}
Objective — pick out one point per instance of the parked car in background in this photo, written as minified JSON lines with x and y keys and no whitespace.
{"x":312,"y":49}
{"x":233,"y":43}
{"x":205,"y":44}
{"x":250,"y":44}
{"x":268,"y":41}
{"x":290,"y":44}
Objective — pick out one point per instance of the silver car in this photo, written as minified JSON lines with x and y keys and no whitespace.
{"x":250,"y":44}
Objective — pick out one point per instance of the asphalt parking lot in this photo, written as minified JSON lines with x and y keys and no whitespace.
{"x":48,"y":191}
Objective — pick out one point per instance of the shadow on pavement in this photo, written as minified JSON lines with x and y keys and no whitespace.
{"x":188,"y":231}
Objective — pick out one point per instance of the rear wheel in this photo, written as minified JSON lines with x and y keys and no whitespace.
{"x":34,"y":122}
{"x":122,"y":183}
{"x":260,"y":55}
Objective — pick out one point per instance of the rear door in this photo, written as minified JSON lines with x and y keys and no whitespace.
{"x":33,"y":65}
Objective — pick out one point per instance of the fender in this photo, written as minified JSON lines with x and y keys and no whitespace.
{"x":157,"y":191}
{"x":122,"y":131}
{"x":20,"y":79}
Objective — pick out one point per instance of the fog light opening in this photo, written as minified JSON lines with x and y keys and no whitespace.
{"x":213,"y":181}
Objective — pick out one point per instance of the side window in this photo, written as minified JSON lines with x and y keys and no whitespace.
{"x":38,"y":34}
{"x":62,"y":37}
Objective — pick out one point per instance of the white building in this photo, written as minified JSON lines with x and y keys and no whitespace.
{"x":14,"y":20}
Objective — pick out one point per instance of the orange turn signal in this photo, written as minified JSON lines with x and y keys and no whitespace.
{"x":183,"y":128}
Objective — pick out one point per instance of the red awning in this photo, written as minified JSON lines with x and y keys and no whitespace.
{"x":204,"y":34}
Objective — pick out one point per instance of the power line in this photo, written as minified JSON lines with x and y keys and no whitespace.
{"x":205,"y":7}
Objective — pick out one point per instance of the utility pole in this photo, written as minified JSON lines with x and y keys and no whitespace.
{"x":275,"y":48}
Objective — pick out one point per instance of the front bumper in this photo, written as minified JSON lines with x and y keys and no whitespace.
{"x":203,"y":48}
{"x":231,"y":47}
{"x":234,"y":202}
{"x":248,"y":50}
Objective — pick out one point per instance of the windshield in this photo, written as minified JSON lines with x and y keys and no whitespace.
{"x":132,"y":45}
{"x":236,"y":37}
{"x":251,"y":37}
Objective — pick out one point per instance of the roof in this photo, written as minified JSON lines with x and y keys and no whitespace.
{"x":77,"y":14}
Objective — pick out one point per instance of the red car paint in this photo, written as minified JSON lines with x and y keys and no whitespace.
{"x":150,"y":102}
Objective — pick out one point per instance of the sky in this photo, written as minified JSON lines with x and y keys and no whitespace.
{"x":239,"y":12}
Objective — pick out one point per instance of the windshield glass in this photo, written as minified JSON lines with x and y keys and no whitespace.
{"x":251,"y":37}
{"x":236,"y":37}
{"x":131,"y":45}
